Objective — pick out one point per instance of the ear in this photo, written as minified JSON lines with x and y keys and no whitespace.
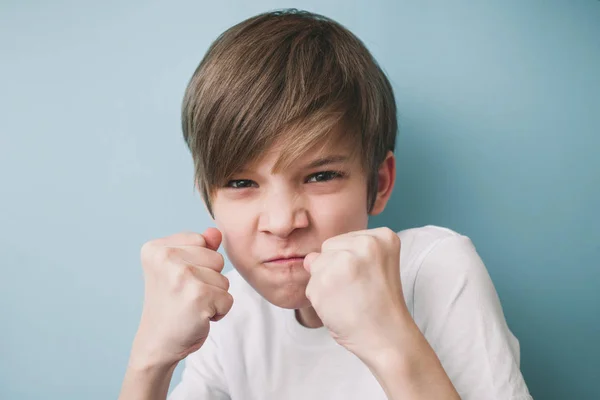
{"x":386,"y":176}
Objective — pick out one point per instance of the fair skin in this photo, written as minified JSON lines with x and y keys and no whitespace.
{"x":345,"y":277}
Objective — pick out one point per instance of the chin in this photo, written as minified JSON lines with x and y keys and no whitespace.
{"x":291,"y":296}
{"x":292,"y":302}
{"x":282,"y":287}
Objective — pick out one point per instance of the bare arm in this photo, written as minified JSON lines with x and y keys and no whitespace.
{"x":146,"y":382}
{"x":413,"y":371}
{"x":184,"y":291}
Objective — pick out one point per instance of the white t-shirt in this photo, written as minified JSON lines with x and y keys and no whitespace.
{"x":260,"y":351}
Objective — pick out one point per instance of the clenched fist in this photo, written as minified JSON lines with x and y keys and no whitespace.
{"x":184,"y":290}
{"x":355,"y":289}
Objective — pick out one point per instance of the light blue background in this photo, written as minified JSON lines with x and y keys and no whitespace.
{"x":499,"y":138}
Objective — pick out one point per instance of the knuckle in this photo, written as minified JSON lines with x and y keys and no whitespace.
{"x":146,"y":247}
{"x":156,"y":256}
{"x":147,"y":252}
{"x":347,"y":255}
{"x":328,"y":243}
{"x":184,"y":238}
{"x":180,"y":275}
{"x":228,"y":302}
{"x":169,"y":254}
{"x":208,"y":311}
{"x":197,"y":239}
{"x":354,"y":274}
{"x":344,"y":268}
{"x":370,"y":243}
{"x":225,"y":283}
{"x":211,"y":259}
{"x":309,"y":293}
{"x":396,"y":242}
{"x":199,"y":291}
{"x":352,"y":269}
{"x":390,"y":235}
{"x":219,"y":261}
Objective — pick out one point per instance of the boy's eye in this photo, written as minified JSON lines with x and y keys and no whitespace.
{"x":240,"y":183}
{"x":324,"y":176}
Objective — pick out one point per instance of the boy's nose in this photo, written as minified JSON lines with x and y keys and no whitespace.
{"x":283,"y":214}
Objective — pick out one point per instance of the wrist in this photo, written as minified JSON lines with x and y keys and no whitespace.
{"x":146,"y":358}
{"x":411,"y":369}
{"x":146,"y":380}
{"x":144,"y":364}
{"x":391,"y":344}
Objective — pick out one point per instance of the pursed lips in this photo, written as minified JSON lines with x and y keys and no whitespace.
{"x":281,"y":259}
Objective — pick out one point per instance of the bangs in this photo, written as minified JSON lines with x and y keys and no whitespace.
{"x":316,"y":134}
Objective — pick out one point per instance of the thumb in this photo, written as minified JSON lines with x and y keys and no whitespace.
{"x":308,"y":260}
{"x":212,"y":237}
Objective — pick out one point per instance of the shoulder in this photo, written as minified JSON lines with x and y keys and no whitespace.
{"x":432,"y":254}
{"x":417,"y":244}
{"x":421,"y":240}
{"x":444,"y":270}
{"x":456,"y":307}
{"x":435,"y":251}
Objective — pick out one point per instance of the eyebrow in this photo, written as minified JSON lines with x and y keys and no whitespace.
{"x":319,"y":162}
{"x":326,"y":161}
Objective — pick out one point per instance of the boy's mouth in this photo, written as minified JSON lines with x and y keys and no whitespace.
{"x":290,"y":259}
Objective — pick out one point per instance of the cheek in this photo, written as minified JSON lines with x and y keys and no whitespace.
{"x":237,"y":244}
{"x":236,"y":226}
{"x":341,"y":213}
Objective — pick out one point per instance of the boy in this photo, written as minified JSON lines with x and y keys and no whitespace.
{"x":292,"y":127}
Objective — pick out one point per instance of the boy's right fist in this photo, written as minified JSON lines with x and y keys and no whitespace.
{"x":184,"y":290}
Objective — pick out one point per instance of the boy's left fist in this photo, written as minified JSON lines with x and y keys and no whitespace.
{"x":356,"y":291}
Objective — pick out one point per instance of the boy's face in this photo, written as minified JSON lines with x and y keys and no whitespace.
{"x":265,"y":216}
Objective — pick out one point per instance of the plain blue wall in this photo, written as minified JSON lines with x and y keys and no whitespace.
{"x":499,"y":137}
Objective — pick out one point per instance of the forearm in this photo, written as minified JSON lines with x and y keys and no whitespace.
{"x":412,"y":370}
{"x":144,"y":381}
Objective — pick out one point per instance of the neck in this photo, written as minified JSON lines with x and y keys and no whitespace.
{"x":308,"y":317}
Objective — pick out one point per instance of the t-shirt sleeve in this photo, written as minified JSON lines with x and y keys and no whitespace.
{"x":202,"y":377}
{"x":458,"y":311}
